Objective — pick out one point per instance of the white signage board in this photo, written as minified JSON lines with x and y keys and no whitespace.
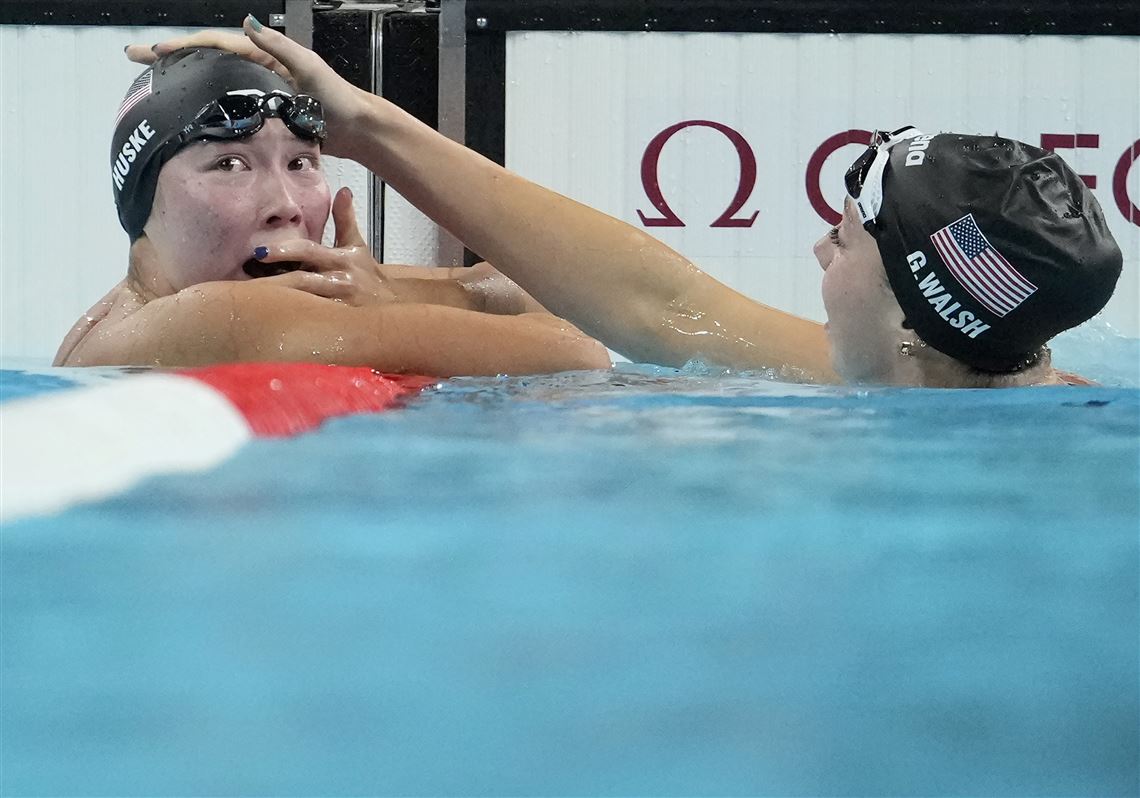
{"x":731,"y":147}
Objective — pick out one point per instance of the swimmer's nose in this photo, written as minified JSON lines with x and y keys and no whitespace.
{"x":284,"y":213}
{"x":281,"y":208}
{"x":822,"y":250}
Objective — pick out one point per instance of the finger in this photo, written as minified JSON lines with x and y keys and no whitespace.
{"x":140,"y":54}
{"x":220,"y":40}
{"x":344,"y":219}
{"x":287,"y":52}
{"x":223,"y":40}
{"x":311,"y":254}
{"x":334,"y":285}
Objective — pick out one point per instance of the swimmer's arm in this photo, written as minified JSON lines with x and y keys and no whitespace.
{"x":617,"y":283}
{"x":241,"y":322}
{"x":480,"y":287}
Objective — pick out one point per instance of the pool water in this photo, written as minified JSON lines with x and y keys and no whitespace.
{"x":642,"y":582}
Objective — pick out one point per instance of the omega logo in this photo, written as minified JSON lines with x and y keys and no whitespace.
{"x":652,"y":185}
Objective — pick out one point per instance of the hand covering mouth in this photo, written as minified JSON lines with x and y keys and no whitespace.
{"x":256,"y":268}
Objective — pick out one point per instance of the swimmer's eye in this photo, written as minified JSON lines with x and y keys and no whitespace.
{"x":305,"y":162}
{"x":231,"y":163}
{"x":833,"y":234}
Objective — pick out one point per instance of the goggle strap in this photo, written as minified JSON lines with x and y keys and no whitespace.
{"x":870,"y":199}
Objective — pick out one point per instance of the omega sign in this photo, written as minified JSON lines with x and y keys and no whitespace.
{"x":747,"y":181}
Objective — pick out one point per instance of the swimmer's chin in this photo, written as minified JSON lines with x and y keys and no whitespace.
{"x":256,"y":268}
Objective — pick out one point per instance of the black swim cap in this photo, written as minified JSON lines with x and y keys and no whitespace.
{"x":160,"y":103}
{"x":992,"y":246}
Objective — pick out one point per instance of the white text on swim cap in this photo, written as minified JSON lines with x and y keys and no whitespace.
{"x":130,"y":151}
{"x":942,"y":302}
{"x":916,"y":149}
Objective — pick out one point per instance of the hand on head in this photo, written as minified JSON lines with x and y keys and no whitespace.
{"x":221,"y":40}
{"x":346,"y":272}
{"x":343,"y":103}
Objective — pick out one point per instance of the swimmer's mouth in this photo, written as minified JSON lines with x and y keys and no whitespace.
{"x":257,"y":268}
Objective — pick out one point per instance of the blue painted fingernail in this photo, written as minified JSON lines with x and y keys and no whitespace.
{"x":257,"y":26}
{"x":260,"y":252}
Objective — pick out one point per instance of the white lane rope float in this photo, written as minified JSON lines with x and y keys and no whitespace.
{"x":87,"y":443}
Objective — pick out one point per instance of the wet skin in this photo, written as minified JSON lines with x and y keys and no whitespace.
{"x":864,"y":318}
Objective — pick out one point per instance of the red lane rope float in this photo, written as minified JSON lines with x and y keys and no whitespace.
{"x":95,"y":441}
{"x":283,"y":399}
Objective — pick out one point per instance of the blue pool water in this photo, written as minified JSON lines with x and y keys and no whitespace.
{"x":645,"y":582}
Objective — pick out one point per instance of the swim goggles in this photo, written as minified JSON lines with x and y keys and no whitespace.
{"x":864,"y":180}
{"x":236,"y":116}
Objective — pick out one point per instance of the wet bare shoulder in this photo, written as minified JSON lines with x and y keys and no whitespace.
{"x":218,"y":322}
{"x":169,"y":330}
{"x":114,"y":307}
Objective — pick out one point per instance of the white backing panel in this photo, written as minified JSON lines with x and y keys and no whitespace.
{"x":583,"y":108}
{"x":61,"y":247}
{"x":410,"y":238}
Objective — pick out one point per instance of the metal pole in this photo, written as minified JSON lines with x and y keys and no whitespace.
{"x":452,"y":97}
{"x":453,"y":69}
{"x":376,"y":187}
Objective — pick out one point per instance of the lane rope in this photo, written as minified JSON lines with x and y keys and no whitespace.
{"x":92,"y":442}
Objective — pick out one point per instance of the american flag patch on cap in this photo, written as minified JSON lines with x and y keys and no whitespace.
{"x":980,"y":268}
{"x":138,"y":92}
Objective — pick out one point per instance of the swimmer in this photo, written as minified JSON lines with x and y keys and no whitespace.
{"x":217,"y":178}
{"x":957,"y":258}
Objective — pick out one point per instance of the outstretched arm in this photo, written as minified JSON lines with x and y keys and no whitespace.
{"x":253,"y":321}
{"x":619,"y":284}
